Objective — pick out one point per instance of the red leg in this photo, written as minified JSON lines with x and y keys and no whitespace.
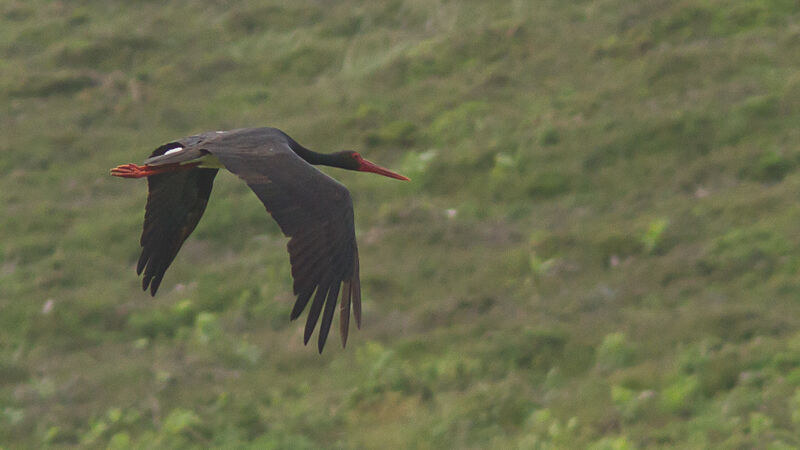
{"x":134,"y":171}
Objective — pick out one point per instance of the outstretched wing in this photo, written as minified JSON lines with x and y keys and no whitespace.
{"x":175,"y":203}
{"x":314,"y":210}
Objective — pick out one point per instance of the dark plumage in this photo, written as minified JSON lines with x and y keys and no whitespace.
{"x":311,"y":208}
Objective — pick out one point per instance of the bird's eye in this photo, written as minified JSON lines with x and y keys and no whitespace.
{"x":357,"y":156}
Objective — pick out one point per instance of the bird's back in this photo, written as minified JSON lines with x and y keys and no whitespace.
{"x":245,"y":141}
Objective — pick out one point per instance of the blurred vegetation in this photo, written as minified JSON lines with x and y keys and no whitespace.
{"x":599,"y":248}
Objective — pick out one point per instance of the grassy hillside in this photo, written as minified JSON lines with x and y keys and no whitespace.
{"x":599,"y":248}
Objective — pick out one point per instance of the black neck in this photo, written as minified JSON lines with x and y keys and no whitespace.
{"x":312,"y":157}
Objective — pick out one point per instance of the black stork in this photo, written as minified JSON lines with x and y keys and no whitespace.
{"x":311,"y":208}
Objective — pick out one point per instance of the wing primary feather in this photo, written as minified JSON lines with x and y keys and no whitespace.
{"x":309,"y":273}
{"x":327,"y":317}
{"x":302,"y":266}
{"x":316,"y":308}
{"x":152,"y":276}
{"x":143,"y":258}
{"x":156,"y":282}
{"x":304,"y":293}
{"x":305,"y":265}
{"x":344,"y":312}
{"x":145,"y":282}
{"x":357,"y":305}
{"x":356,"y":293}
{"x":300,"y":304}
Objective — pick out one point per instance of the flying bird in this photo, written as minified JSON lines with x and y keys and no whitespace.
{"x":311,"y":208}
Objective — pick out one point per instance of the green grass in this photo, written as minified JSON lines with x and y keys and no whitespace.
{"x":598,"y":249}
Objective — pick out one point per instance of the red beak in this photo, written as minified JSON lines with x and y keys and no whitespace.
{"x":367,"y":166}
